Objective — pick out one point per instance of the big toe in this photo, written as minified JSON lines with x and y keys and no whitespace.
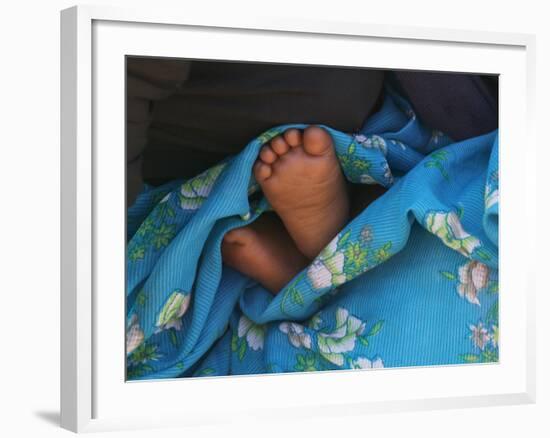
{"x":317,"y":141}
{"x":240,"y":236}
{"x":231,"y":237}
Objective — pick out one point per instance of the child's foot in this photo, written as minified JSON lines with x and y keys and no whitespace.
{"x":302,"y":180}
{"x":264,"y":251}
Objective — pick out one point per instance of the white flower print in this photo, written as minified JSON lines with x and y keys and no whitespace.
{"x":366,"y":179}
{"x":328,"y":268}
{"x":491,"y":198}
{"x":473,"y":277}
{"x":372,"y":141}
{"x":194,"y":192}
{"x":387,"y":173}
{"x":134,"y":335}
{"x":296,"y":334}
{"x":399,"y":143}
{"x":175,"y":307}
{"x":480,"y":335}
{"x":342,"y":339}
{"x":447,"y":226}
{"x":365,"y":363}
{"x":254,"y":333}
{"x":360,"y":138}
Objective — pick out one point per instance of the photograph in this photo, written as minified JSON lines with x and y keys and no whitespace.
{"x":285,"y":218}
{"x":275,"y":220}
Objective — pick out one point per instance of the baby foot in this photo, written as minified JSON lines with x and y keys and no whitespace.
{"x":264,"y":251}
{"x":302,"y":180}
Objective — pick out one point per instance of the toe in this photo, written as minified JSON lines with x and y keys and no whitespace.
{"x":231,"y":237}
{"x":279,"y":145}
{"x":239,"y":236}
{"x":293,"y":137}
{"x":267,"y":155}
{"x":262,"y":171}
{"x":317,"y":141}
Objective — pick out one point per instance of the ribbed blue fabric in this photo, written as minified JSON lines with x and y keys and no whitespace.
{"x":411,"y":281}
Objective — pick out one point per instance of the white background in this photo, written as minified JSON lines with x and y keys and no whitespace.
{"x":29,"y":217}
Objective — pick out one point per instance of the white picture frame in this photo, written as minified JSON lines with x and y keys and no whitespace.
{"x":94,"y":42}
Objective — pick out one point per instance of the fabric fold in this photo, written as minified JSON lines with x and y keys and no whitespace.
{"x":188,"y":315}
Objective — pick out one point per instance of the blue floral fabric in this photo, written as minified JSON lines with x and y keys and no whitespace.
{"x":411,"y":281}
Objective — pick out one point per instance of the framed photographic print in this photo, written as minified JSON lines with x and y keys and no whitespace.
{"x":253,"y":208}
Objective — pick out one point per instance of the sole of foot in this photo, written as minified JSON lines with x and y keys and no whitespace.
{"x":301,"y":178}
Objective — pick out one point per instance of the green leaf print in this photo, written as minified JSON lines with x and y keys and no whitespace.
{"x":141,"y":298}
{"x":268,"y":135}
{"x":234,"y":342}
{"x":355,"y":259}
{"x":469,"y":358}
{"x":343,"y":240}
{"x":305,"y":362}
{"x":448,"y":275}
{"x":361,"y":166}
{"x":383,"y":253}
{"x":163,"y":235}
{"x":144,"y":353}
{"x":147,"y":226}
{"x":482,"y":254}
{"x":296,"y":296}
{"x":376,"y":328}
{"x":138,"y":371}
{"x":165,"y":209}
{"x":489,"y":356}
{"x":242,"y":349}
{"x":173,"y":337}
{"x":436,"y":161}
{"x":136,"y":253}
{"x":206,"y":372}
{"x":292,"y":293}
{"x":492,"y":314}
{"x":356,"y":169}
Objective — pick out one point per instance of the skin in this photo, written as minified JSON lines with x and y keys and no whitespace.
{"x":302,"y":179}
{"x":264,"y":251}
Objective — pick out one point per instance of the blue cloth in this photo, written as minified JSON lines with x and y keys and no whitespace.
{"x":412,"y":280}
